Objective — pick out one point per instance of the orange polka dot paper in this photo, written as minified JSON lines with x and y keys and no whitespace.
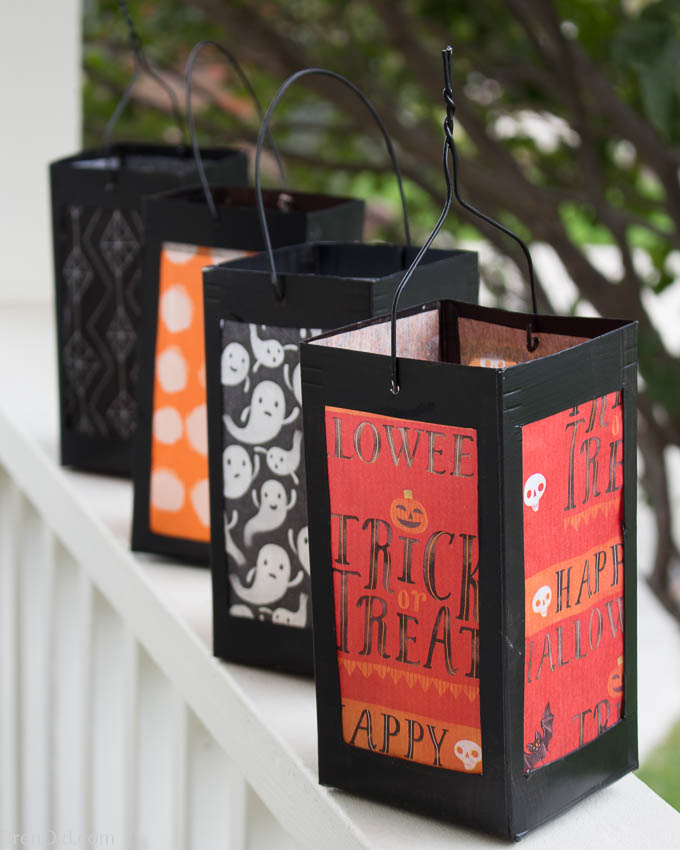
{"x":179,"y":497}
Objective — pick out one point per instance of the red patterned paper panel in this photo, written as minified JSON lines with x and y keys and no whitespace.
{"x":573,"y":567}
{"x":403,"y":498}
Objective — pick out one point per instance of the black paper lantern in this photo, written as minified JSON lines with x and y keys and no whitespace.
{"x":473,"y":556}
{"x":257,"y":310}
{"x":98,"y":242}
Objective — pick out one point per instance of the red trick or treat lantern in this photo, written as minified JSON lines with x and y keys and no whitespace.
{"x":471,"y":478}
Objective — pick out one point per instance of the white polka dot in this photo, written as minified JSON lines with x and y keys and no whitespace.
{"x":201,"y":375}
{"x":167,"y":491}
{"x":176,"y":309}
{"x":197,"y":429}
{"x":167,"y":425}
{"x":225,"y":255}
{"x":171,"y":368}
{"x":178,"y":253}
{"x":200,"y":499}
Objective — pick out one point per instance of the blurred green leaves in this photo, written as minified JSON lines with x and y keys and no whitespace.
{"x":660,"y":770}
{"x":650,"y":46}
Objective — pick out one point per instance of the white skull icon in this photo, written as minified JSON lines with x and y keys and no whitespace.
{"x":542,"y":600}
{"x":469,"y":753}
{"x":534,"y":490}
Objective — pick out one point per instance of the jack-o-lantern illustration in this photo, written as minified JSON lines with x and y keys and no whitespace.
{"x":615,"y":681}
{"x":409,"y":513}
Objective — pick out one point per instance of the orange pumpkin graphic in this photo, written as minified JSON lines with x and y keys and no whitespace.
{"x":615,"y":681}
{"x":409,"y":513}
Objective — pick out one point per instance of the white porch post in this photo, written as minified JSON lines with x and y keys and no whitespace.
{"x":40,"y":59}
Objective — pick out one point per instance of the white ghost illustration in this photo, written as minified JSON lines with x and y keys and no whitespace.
{"x":285,"y":461}
{"x":268,"y":352}
{"x":238,"y":471}
{"x":269,"y":579}
{"x":298,"y":618}
{"x":294,"y":381}
{"x":272,"y":509}
{"x":266,"y":415}
{"x":241,"y":611}
{"x":301,"y":546}
{"x":230,"y":547}
{"x":235,"y":364}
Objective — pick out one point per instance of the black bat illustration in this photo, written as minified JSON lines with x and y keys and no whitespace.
{"x":537,"y":749}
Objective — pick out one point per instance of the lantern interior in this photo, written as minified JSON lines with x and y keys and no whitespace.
{"x":438,"y":335}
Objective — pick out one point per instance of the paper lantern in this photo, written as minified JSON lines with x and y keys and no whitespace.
{"x":98,"y":238}
{"x":482,"y":671}
{"x":187,"y":230}
{"x":257,"y":493}
{"x":257,"y":310}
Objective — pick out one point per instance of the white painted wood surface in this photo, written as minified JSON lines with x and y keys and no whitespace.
{"x":40,"y":57}
{"x":116,"y":722}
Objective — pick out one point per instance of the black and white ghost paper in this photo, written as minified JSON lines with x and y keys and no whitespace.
{"x":265,"y":505}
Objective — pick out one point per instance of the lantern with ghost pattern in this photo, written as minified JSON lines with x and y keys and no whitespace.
{"x":257,"y":311}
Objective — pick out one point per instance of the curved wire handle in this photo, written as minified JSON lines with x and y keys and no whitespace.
{"x":452,"y":189}
{"x":142,"y":66}
{"x":323,"y":72}
{"x":190,"y":115}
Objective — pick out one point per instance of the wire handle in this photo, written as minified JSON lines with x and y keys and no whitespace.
{"x":142,"y":66}
{"x":323,"y":72}
{"x":452,"y":189}
{"x":190,"y":115}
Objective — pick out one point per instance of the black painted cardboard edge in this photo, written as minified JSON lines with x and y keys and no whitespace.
{"x":312,"y":216}
{"x":170,"y":217}
{"x":502,"y":800}
{"x":229,"y":294}
{"x":69,"y":185}
{"x":249,"y":282}
{"x":66,"y":176}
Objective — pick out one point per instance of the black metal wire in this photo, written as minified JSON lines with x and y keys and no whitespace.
{"x":142,"y":66}
{"x":135,"y":40}
{"x":453,"y":189}
{"x":190,"y":115}
{"x":324,"y":72}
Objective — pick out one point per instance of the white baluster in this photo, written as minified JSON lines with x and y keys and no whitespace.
{"x":35,"y":568}
{"x":10,"y":773}
{"x":113,"y":734}
{"x":211,"y":820}
{"x":264,"y":831}
{"x":155,"y":758}
{"x":70,"y":782}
